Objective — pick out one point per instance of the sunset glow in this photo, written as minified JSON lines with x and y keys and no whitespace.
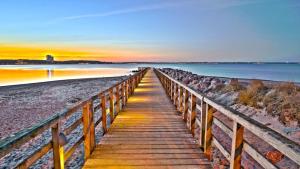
{"x":158,"y":30}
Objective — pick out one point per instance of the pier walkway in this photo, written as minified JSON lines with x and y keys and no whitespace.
{"x":155,"y":121}
{"x":148,"y":133}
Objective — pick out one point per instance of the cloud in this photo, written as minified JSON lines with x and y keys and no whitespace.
{"x":125,"y":11}
{"x":203,"y":5}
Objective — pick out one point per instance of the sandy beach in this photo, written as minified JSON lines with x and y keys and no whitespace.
{"x":22,"y":106}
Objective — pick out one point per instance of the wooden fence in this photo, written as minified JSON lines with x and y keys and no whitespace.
{"x":188,"y":101}
{"x":116,"y":96}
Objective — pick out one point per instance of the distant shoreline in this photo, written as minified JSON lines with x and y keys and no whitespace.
{"x":44,"y":62}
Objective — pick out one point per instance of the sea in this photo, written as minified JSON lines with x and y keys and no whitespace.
{"x":23,"y":74}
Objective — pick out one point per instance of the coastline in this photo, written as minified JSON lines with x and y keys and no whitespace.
{"x":38,"y":101}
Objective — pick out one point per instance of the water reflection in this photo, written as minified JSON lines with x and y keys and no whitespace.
{"x":10,"y":76}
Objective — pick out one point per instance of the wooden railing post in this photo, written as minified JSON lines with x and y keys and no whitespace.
{"x":126,"y":91}
{"x":170,"y":88}
{"x":203,"y":122}
{"x":237,"y":146}
{"x":208,"y":131}
{"x":186,"y":105}
{"x":175,"y":94}
{"x":193,"y":114}
{"x":123,"y":95}
{"x":132,"y":86}
{"x":172,"y":91}
{"x":111,"y":105}
{"x":180,"y":106}
{"x":117,"y":99}
{"x":103,"y":107}
{"x":58,"y":150}
{"x":88,"y":129}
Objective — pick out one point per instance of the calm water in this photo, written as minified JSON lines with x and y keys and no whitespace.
{"x":20,"y":74}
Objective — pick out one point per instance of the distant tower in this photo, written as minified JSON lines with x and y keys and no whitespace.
{"x":49,"y":58}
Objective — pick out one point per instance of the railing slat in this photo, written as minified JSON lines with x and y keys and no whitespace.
{"x":36,"y":155}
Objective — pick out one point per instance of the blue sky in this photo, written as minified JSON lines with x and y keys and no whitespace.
{"x":156,"y":30}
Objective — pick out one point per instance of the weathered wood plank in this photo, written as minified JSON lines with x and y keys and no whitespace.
{"x":148,"y":132}
{"x":58,"y":150}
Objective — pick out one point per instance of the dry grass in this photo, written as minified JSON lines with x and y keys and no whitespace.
{"x":282,"y":100}
{"x":252,"y":94}
{"x":233,"y":86}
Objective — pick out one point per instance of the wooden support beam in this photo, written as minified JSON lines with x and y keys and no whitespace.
{"x":172,"y":90}
{"x":193,"y":114}
{"x":208,"y":131}
{"x":92,"y":127}
{"x":58,"y":150}
{"x":103,"y":107}
{"x":237,"y":146}
{"x":123,"y":95}
{"x":186,"y":105}
{"x":169,"y":87}
{"x":86,"y":118}
{"x":117,"y":99}
{"x":111,"y":105}
{"x":203,"y":123}
{"x":126,"y":91}
{"x":175,"y":94}
{"x":180,"y":106}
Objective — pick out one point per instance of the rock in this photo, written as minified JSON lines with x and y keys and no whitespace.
{"x":274,"y":156}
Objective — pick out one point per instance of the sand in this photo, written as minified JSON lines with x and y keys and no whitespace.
{"x":22,"y":106}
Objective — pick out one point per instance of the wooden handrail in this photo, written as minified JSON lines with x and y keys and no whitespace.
{"x":116,"y":98}
{"x":208,"y":107}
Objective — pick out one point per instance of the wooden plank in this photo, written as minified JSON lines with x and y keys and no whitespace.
{"x":86,"y":131}
{"x":103,"y":107}
{"x":193,"y":114}
{"x":123,"y":95}
{"x":203,"y":123}
{"x":246,"y":147}
{"x":175,"y":95}
{"x":225,"y":153}
{"x":208,"y":131}
{"x":73,"y":126}
{"x":58,"y":150}
{"x":35,"y":156}
{"x":258,"y":157}
{"x":117,"y":99}
{"x":237,"y":146}
{"x":180,"y":106}
{"x":126,"y":91}
{"x":111,"y":105}
{"x":148,"y":132}
{"x":73,"y":148}
{"x":186,"y":105}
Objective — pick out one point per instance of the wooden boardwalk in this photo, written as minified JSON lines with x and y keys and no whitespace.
{"x":148,"y":133}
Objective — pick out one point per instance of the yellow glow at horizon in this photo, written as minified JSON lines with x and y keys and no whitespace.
{"x":39,"y":51}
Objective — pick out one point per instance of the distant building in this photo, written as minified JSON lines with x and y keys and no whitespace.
{"x":49,"y":58}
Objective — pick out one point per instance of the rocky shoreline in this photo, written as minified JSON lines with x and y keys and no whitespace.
{"x":274,"y":104}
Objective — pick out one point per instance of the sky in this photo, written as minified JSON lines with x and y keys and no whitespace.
{"x":151,"y":30}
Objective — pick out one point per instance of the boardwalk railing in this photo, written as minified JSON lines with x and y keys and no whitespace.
{"x":116,"y":97}
{"x":187,"y":102}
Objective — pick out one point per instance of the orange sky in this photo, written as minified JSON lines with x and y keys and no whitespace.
{"x":22,"y":51}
